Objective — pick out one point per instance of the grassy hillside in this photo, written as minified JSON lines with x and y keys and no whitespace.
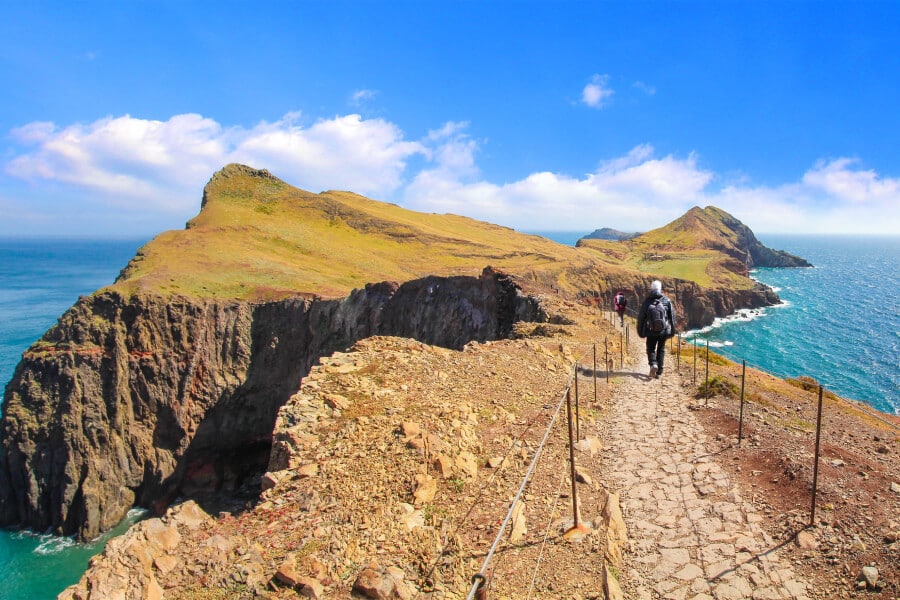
{"x":701,"y":246}
{"x":257,"y":237}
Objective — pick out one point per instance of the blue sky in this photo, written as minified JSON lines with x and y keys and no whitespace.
{"x":541,"y":116}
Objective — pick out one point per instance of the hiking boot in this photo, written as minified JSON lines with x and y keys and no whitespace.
{"x":653,"y":371}
{"x":658,"y":373}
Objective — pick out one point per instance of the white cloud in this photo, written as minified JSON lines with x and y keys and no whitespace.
{"x":837,"y":179}
{"x":640,"y":191}
{"x":596,"y":93}
{"x":136,"y":170}
{"x":349,"y":153}
{"x":124,"y":158}
{"x":132,"y":161}
{"x":622,"y":192}
{"x":360,"y":97}
{"x":644,"y":87}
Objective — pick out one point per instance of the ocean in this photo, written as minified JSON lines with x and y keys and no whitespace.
{"x":839,"y":325}
{"x":39,"y":281}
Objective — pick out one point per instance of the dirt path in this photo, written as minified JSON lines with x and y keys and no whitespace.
{"x":692,"y":534}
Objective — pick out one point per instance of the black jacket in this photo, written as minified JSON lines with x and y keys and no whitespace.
{"x":642,"y":316}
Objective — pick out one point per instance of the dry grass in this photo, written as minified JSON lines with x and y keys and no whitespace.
{"x":257,"y":238}
{"x":260,"y":238}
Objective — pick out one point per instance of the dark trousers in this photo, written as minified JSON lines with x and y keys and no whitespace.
{"x":656,"y":350}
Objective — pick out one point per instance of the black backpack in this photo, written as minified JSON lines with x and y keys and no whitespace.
{"x":657,"y":319}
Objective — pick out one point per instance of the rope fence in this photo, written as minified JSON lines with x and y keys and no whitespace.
{"x":615,"y":346}
{"x":717,"y":385}
{"x":570,"y":395}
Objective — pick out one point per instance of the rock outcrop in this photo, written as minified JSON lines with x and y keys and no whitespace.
{"x":730,"y":236}
{"x":139,"y":400}
{"x":168,"y":383}
{"x":608,"y":233}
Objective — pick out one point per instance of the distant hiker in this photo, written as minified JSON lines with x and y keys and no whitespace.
{"x":656,"y":322}
{"x":619,"y":303}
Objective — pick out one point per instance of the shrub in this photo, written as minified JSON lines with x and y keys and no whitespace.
{"x":717,"y":386}
{"x":805,"y":382}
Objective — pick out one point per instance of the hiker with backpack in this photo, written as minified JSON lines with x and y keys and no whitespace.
{"x":656,"y":322}
{"x":619,"y":304}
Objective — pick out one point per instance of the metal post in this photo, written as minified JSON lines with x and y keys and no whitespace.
{"x":694,"y":379}
{"x":812,"y":512}
{"x":706,"y":395}
{"x":595,"y":373}
{"x":577,"y":412}
{"x":572,"y":458}
{"x":741,"y":418}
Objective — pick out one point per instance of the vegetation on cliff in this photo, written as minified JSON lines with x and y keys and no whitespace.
{"x":258,"y":238}
{"x":707,"y":246}
{"x":150,"y":389}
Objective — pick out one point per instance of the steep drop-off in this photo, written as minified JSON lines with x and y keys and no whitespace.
{"x":142,"y":399}
{"x":168,"y":382}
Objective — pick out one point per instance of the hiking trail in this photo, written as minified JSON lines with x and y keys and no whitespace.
{"x":691,"y":534}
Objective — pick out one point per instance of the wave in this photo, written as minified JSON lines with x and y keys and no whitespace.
{"x":743,"y":315}
{"x":53,"y":544}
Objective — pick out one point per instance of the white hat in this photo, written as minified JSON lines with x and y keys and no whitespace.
{"x":656,"y":286}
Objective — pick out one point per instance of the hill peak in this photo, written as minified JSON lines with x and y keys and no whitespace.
{"x":715,"y":229}
{"x":237,"y":169}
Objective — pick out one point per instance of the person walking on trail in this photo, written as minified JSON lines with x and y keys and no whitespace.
{"x":619,"y":303}
{"x":656,"y":322}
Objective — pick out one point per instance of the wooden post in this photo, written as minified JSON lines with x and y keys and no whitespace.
{"x":621,"y":351}
{"x":694,"y":379}
{"x":572,"y":459}
{"x":678,"y":356}
{"x":812,"y":512}
{"x":577,"y":416}
{"x":741,"y":418}
{"x":606,"y":343}
{"x":706,"y":395}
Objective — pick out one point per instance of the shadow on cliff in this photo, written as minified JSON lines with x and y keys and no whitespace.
{"x":223,"y":461}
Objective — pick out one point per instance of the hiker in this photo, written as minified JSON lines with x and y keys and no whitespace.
{"x":619,"y":303}
{"x":656,"y":322}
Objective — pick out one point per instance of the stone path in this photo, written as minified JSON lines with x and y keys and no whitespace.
{"x":692,"y":536}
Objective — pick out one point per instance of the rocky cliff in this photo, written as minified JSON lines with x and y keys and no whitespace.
{"x":139,"y":400}
{"x":168,"y":383}
{"x":726,"y":234}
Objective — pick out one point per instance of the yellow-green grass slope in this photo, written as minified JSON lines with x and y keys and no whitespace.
{"x":258,"y":238}
{"x":701,"y":246}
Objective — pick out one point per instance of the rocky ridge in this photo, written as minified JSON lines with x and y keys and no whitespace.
{"x":139,"y":400}
{"x":394,"y":464}
{"x":168,"y":383}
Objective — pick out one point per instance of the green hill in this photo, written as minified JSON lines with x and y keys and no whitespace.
{"x":707,"y":246}
{"x":258,"y":238}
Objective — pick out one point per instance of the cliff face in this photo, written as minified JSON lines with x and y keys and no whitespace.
{"x":696,"y":307}
{"x":732,"y":237}
{"x":138,"y":400}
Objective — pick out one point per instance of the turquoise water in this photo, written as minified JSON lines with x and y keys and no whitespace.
{"x":840,"y":323}
{"x":40,"y":280}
